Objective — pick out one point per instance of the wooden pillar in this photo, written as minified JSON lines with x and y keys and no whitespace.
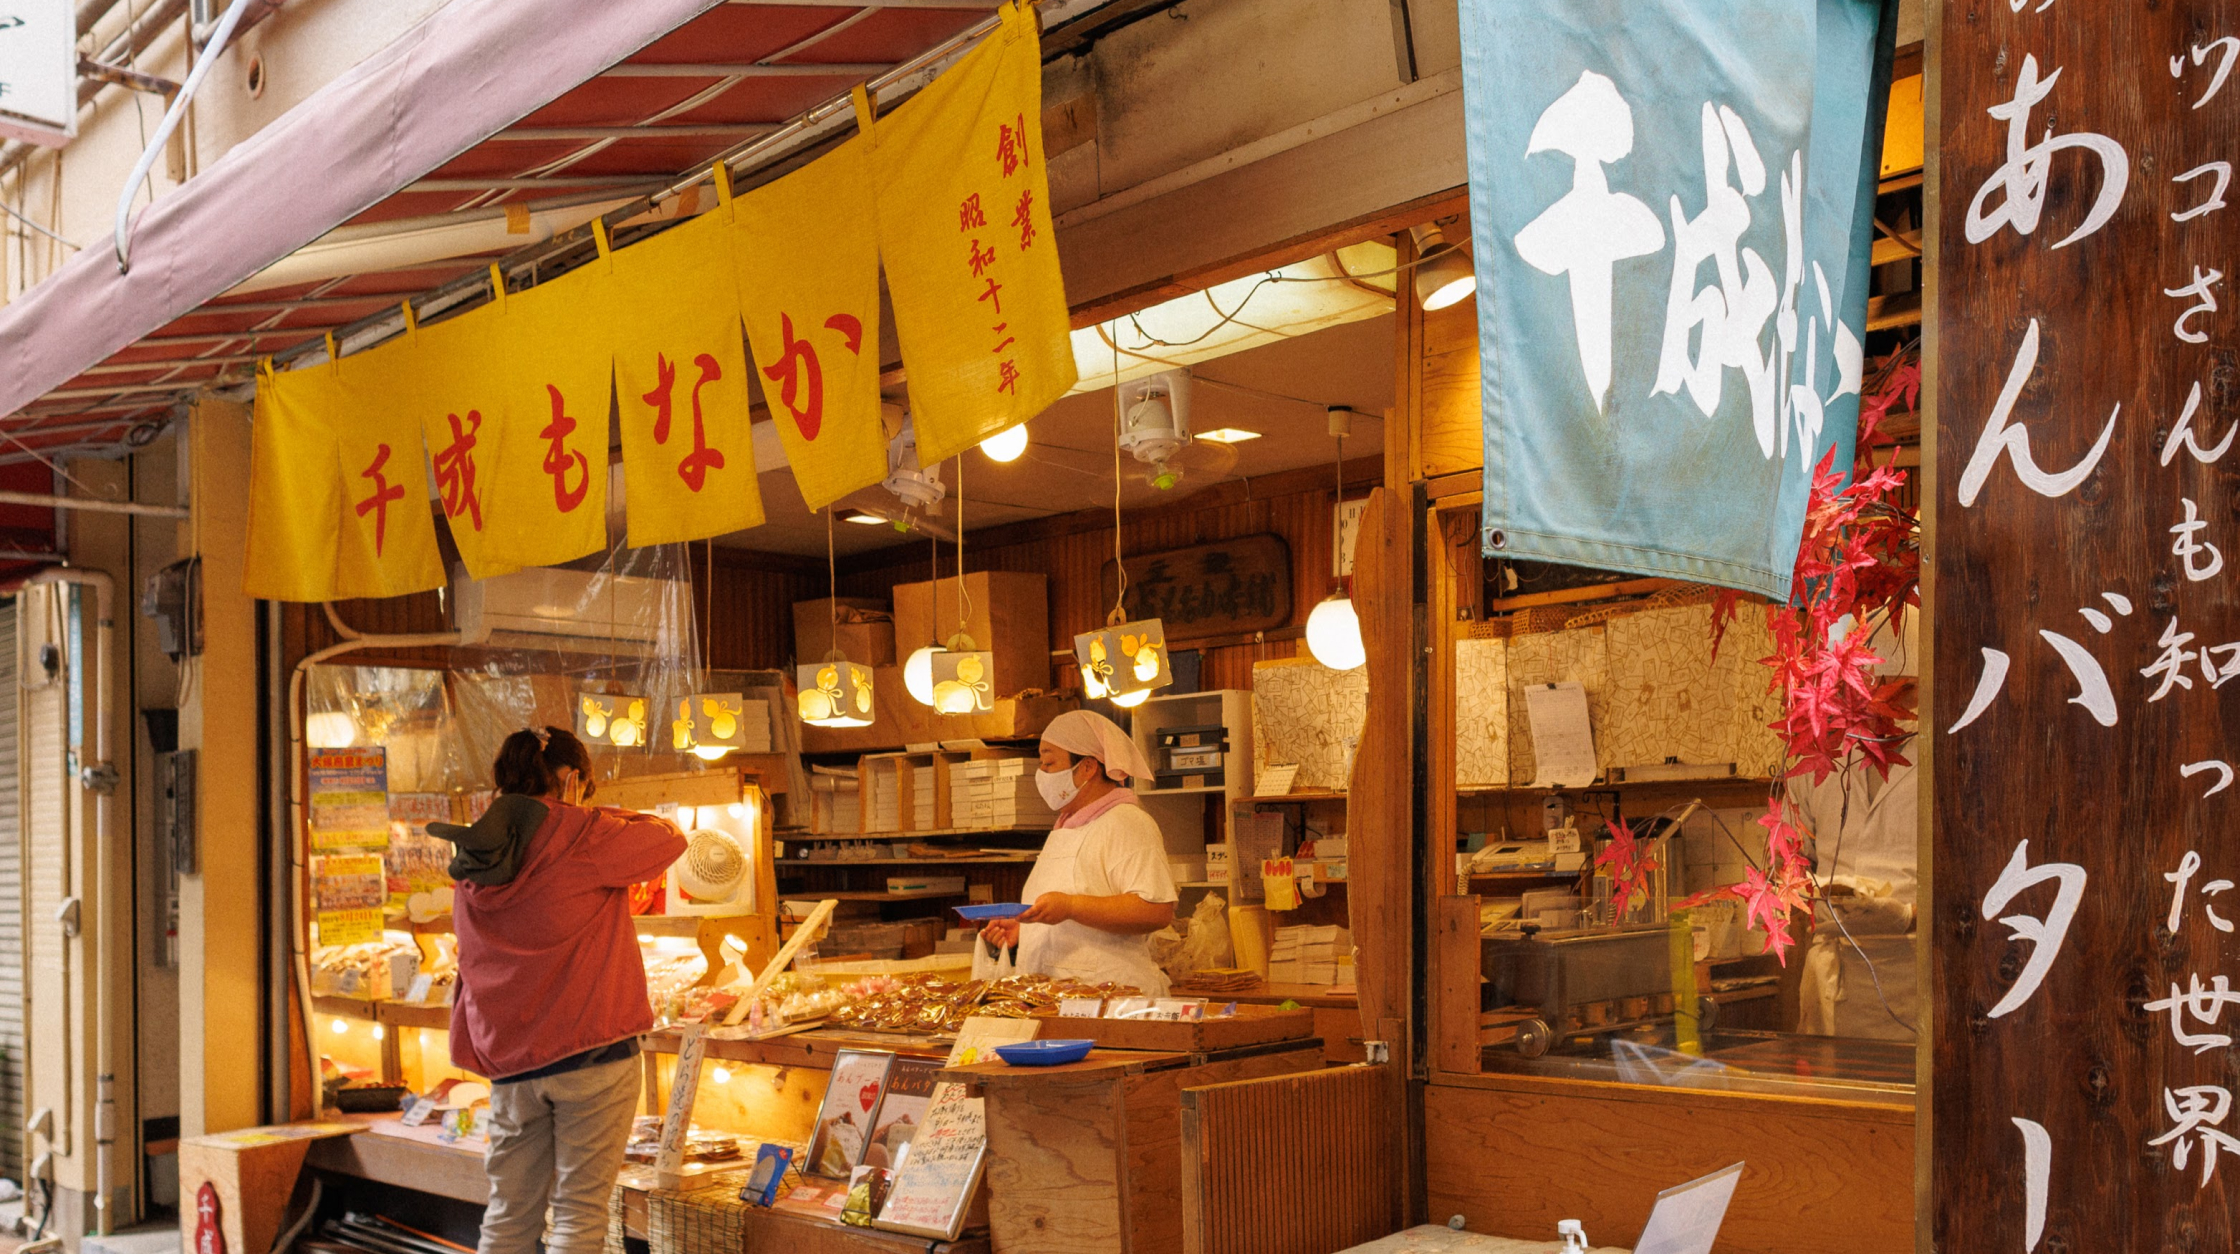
{"x":221,"y":907}
{"x":1380,"y":812}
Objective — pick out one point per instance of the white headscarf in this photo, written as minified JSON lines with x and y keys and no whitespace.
{"x":1087,"y":734}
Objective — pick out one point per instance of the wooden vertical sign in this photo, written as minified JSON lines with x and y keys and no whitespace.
{"x":2087,"y":840}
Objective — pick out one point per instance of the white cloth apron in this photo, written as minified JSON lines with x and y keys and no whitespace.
{"x":1119,"y":851}
{"x":1869,"y":846}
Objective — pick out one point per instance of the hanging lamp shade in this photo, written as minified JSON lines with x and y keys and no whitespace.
{"x":963,"y":678}
{"x":710,"y":724}
{"x":1334,"y":634}
{"x":617,"y":719}
{"x":835,"y":693}
{"x":1123,"y":659}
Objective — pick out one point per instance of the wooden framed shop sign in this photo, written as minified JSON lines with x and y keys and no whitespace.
{"x":2087,"y":832}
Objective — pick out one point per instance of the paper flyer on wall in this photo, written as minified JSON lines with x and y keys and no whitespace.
{"x":349,"y":798}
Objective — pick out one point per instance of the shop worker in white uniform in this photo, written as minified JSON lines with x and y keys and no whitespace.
{"x":1102,"y":884}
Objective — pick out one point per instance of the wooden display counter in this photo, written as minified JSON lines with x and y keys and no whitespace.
{"x":1087,"y":1157}
{"x":1513,"y":1154}
{"x":1337,"y":1016}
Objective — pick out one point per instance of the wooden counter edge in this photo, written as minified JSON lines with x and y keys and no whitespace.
{"x":1898,"y":1111}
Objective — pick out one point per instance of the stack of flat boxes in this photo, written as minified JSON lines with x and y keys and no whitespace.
{"x":996,"y":793}
{"x":754,"y":726}
{"x":886,"y":802}
{"x":838,"y":807}
{"x":1311,"y":955}
{"x":921,"y":799}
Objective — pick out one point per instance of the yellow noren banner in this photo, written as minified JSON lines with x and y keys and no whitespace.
{"x":547,"y":470}
{"x":964,"y":232}
{"x":680,"y":381}
{"x":808,"y":276}
{"x":338,"y":478}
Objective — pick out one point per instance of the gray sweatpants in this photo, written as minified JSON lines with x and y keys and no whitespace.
{"x":557,"y":1141}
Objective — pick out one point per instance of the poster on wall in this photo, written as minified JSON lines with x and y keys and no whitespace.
{"x":349,"y":798}
{"x":1669,"y":218}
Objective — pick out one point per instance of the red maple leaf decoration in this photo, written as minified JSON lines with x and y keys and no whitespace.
{"x":1629,"y":865}
{"x":1859,"y":563}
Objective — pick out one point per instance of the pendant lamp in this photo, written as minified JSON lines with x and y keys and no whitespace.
{"x":1334,"y":629}
{"x":612,"y":719}
{"x":835,"y":692}
{"x":1122,"y":661}
{"x":917,"y":670}
{"x":962,"y":675}
{"x":709,"y":725}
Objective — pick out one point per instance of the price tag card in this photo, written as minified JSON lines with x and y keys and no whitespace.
{"x":1080,"y":1007}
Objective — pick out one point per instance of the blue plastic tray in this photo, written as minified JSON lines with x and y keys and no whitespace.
{"x":1044,"y":1053}
{"x":1000,"y":910}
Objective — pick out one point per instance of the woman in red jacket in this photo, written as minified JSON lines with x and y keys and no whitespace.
{"x":552,"y":992}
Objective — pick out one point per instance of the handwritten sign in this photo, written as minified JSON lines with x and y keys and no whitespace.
{"x":1212,"y":590}
{"x":349,"y":798}
{"x":934,"y":1188}
{"x":2085,"y":623}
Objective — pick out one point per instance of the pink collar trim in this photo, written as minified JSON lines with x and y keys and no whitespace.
{"x":1119,"y":796}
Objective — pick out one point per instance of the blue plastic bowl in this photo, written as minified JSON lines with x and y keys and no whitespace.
{"x":1000,"y":910}
{"x":1044,"y":1053}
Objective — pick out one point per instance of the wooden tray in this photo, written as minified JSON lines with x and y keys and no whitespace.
{"x":1251,"y":1025}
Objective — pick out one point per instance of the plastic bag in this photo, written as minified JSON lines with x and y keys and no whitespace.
{"x":1196,"y":943}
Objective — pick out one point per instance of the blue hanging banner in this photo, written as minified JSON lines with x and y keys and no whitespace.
{"x":1671,"y":209}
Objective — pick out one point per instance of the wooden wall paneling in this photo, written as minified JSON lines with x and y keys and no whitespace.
{"x":1052,"y":1172}
{"x":1453,"y":431}
{"x":1403,"y":428}
{"x":1513,"y":1155}
{"x":2091,"y":338}
{"x":1253,"y":1153}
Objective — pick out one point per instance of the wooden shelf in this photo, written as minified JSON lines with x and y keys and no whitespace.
{"x":801,"y":862}
{"x":891,"y":836}
{"x":915,"y":894}
{"x":1314,"y":794}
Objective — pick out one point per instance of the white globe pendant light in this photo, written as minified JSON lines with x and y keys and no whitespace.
{"x":1334,"y":634}
{"x":917,"y":674}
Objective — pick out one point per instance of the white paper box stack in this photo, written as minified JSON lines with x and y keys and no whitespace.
{"x":1311,"y":955}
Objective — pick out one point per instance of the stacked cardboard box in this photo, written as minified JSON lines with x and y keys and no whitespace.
{"x":838,"y":804}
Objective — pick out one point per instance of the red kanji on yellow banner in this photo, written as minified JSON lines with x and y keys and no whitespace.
{"x":671,"y":305}
{"x":543,"y":485}
{"x":808,"y":281}
{"x":964,"y":233}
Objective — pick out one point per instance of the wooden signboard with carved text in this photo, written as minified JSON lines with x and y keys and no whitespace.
{"x":1233,"y":586}
{"x":2087,"y":839}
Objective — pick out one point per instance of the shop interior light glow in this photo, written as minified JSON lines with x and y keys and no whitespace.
{"x":1228,"y":435}
{"x":1006,"y":445}
{"x":330,"y":729}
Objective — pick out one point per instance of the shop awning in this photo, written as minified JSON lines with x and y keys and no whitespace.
{"x":486,"y":128}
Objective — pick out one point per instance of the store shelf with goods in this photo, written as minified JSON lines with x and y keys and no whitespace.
{"x":1025,"y":859}
{"x":912,"y":894}
{"x":800,"y":837}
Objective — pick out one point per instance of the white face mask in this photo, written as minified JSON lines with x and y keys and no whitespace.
{"x":1058,"y":788}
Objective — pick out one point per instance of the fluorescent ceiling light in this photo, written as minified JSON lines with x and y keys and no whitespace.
{"x":1228,"y":435}
{"x":1313,"y":295}
{"x":868,"y":520}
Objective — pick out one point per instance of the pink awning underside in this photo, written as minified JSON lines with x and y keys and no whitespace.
{"x":416,"y":107}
